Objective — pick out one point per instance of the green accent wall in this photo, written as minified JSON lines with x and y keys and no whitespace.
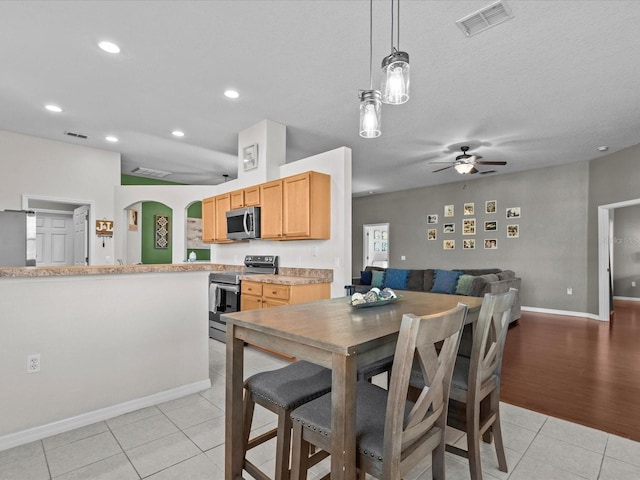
{"x":150,"y":254}
{"x":133,"y":180}
{"x":195,"y":211}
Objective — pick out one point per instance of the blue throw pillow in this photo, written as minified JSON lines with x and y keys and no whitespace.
{"x":395,"y":278}
{"x":377,"y":279}
{"x":445,"y":281}
{"x":365,"y":278}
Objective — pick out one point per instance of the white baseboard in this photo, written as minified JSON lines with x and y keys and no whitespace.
{"x":567,"y":313}
{"x":629,"y":299}
{"x":71,"y":423}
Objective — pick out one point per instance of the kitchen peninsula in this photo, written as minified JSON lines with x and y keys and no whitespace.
{"x":111,"y":338}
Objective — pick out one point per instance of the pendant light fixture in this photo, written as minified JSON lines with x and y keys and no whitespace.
{"x":370,"y":99}
{"x":395,"y":70}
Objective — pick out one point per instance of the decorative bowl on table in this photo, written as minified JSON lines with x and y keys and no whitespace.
{"x":373,"y":298}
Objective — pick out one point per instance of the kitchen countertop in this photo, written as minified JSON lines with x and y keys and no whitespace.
{"x":287,"y":276}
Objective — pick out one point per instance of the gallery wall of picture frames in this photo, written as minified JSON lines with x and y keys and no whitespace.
{"x":471,"y":227}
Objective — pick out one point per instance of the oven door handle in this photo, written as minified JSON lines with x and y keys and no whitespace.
{"x":229,"y":288}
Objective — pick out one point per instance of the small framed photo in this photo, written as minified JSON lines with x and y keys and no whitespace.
{"x":513,"y":212}
{"x":448,"y":210}
{"x":449,"y":244}
{"x":490,"y":244}
{"x":469,"y":244}
{"x":469,"y":208}
{"x":490,"y":226}
{"x":513,"y":231}
{"x":250,"y":157}
{"x":490,"y":206}
{"x":469,"y":226}
{"x":449,"y":228}
{"x":133,"y":219}
{"x":432,"y":218}
{"x":432,"y":234}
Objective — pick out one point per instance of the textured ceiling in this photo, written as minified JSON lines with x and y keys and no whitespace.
{"x":547,"y":87}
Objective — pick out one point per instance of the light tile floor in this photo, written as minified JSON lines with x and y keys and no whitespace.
{"x":184,"y":439}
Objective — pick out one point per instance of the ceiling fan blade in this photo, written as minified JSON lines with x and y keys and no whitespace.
{"x":474,"y":170}
{"x":490,"y":163}
{"x":442,"y":163}
{"x":441,"y":169}
{"x":487,"y":171}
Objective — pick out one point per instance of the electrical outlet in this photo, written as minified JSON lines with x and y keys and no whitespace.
{"x":633,"y":284}
{"x":569,"y":291}
{"x":33,"y":363}
{"x":403,"y":258}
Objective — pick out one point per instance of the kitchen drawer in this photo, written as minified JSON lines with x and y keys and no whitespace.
{"x":281,"y":292}
{"x":252,"y":288}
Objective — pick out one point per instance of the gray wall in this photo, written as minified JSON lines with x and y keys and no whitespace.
{"x":550,"y":254}
{"x":558,"y":244}
{"x":626,"y":251}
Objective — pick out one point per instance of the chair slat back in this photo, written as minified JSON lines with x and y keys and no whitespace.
{"x":418,"y":338}
{"x":490,"y":333}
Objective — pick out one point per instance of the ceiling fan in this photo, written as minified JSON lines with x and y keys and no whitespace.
{"x":466,"y":163}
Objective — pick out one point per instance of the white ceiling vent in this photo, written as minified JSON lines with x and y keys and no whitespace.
{"x":485,"y":18}
{"x":149,"y":172}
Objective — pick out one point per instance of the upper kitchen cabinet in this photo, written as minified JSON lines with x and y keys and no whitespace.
{"x":208,"y":220}
{"x":306,"y":207}
{"x":271,"y":210}
{"x":247,"y":197}
{"x":222,"y":206}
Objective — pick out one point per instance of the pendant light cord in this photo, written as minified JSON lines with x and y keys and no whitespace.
{"x":370,"y":44}
{"x":391,"y":26}
{"x":398,"y":43}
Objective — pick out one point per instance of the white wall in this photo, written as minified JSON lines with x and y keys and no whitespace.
{"x":45,"y":168}
{"x":331,"y":254}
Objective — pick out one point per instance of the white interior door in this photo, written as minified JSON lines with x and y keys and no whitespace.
{"x":81,"y":235}
{"x":375,"y":247}
{"x":54,"y":238}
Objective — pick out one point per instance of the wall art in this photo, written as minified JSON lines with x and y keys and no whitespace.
{"x":469,"y":244}
{"x":490,"y":244}
{"x":449,"y":228}
{"x":513,"y":212}
{"x":448,"y":210}
{"x":161,"y":224}
{"x":469,"y":208}
{"x":432,"y":218}
{"x":132,"y":215}
{"x":469,"y":226}
{"x":432,"y":234}
{"x":490,"y":206}
{"x":490,"y":226}
{"x":513,"y":231}
{"x":449,"y":244}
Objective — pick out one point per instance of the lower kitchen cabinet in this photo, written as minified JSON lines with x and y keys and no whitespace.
{"x":264,"y":295}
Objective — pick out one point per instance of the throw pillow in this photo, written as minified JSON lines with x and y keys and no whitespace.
{"x":415,"y":280}
{"x":480,"y":283}
{"x":365,"y":278}
{"x":395,"y":278}
{"x":445,"y":281}
{"x":464,"y":285}
{"x":427,"y":283}
{"x":377,"y":279}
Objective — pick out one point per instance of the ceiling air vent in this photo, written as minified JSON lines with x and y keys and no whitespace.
{"x":485,"y":18}
{"x":149,"y":172}
{"x":76,"y":135}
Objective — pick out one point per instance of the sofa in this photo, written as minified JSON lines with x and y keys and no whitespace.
{"x":471,"y":282}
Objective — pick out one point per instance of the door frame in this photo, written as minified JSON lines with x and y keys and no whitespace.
{"x":365,"y":243}
{"x":68,"y":201}
{"x":605,"y":246}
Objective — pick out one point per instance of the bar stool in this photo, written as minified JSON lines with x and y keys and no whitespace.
{"x":280,"y":391}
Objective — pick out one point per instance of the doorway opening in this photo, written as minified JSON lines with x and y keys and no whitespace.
{"x":375,"y":246}
{"x":62,"y":230}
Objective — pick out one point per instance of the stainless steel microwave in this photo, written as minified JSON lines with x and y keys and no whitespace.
{"x":243,"y":223}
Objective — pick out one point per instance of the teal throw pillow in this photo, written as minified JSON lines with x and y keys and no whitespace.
{"x":395,"y":278}
{"x":464,"y":285}
{"x":377,"y":279}
{"x":445,"y":281}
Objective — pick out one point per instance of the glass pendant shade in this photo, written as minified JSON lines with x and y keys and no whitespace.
{"x":395,"y":78}
{"x":370,"y":114}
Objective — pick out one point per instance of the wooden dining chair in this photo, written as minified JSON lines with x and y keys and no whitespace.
{"x":392,"y":434}
{"x":474,"y":403}
{"x":280,"y":391}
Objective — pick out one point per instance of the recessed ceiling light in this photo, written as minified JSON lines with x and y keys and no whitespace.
{"x":109,"y":47}
{"x":603,"y":148}
{"x":53,"y":108}
{"x":111,"y":138}
{"x":177,"y":133}
{"x":231,"y":94}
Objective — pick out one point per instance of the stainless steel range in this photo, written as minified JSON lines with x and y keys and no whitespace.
{"x":224,"y":290}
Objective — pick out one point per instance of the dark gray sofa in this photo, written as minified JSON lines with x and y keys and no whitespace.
{"x":488,"y":280}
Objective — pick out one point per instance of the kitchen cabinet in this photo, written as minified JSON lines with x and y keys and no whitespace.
{"x":222,"y":204}
{"x":264,"y":295}
{"x":208,"y":220}
{"x":246,"y":197}
{"x":271,"y":210}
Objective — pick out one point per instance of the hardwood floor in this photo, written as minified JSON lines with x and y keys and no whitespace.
{"x":580,"y":370}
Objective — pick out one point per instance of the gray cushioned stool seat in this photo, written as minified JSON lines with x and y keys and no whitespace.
{"x":291,"y":386}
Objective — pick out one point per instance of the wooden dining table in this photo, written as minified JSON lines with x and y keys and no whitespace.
{"x":330,"y":333}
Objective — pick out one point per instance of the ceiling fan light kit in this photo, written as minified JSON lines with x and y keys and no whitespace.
{"x":466,"y":164}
